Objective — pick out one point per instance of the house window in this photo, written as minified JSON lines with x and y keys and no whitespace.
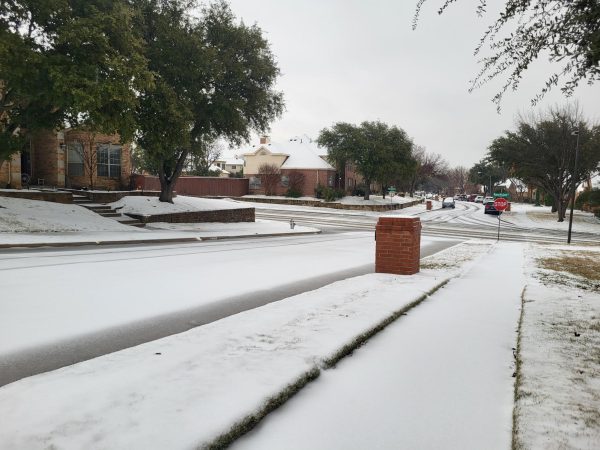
{"x":254,"y":182}
{"x":109,"y":160}
{"x":75,"y":159}
{"x":285,"y":180}
{"x":330,"y":180}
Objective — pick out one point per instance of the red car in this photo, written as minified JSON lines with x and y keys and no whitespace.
{"x":489,"y":208}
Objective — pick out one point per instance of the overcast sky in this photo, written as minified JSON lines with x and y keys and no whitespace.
{"x":356,"y":60}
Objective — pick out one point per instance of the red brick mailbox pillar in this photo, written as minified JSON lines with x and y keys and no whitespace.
{"x":398,"y":245}
{"x":507,"y":207}
{"x":428,"y":205}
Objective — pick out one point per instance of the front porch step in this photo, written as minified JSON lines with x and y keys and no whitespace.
{"x":106,"y":211}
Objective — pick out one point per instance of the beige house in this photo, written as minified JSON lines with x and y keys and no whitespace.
{"x":299,"y":155}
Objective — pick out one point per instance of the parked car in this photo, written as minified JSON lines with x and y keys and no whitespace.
{"x":479,"y":199}
{"x":471,"y":197}
{"x":488,"y":200}
{"x":489,"y":208}
{"x":448,"y":202}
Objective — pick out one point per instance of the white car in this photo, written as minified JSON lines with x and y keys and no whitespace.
{"x":488,"y":200}
{"x":479,"y":199}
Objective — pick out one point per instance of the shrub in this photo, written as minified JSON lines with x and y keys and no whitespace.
{"x":294,"y":193}
{"x":359,"y":191}
{"x":269,"y":175}
{"x":590,"y":197}
{"x":319,"y":191}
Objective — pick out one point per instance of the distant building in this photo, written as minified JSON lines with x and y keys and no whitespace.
{"x":230,"y":163}
{"x":299,"y":154}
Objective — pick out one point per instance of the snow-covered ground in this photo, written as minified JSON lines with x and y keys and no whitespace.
{"x":34,"y":222}
{"x":530,"y":216}
{"x":224,"y":375}
{"x":151,"y":205}
{"x":455,"y":377}
{"x":558,"y":399}
{"x":130,"y":286}
{"x":440,"y":378}
{"x":219,"y":375}
{"x":34,"y":216}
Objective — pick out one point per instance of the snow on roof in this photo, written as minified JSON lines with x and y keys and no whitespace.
{"x":215,"y":168}
{"x":302,"y":153}
{"x":231,"y":157}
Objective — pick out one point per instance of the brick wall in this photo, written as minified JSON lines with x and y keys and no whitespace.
{"x":398,"y":245}
{"x":197,"y":186}
{"x":46,"y":196}
{"x":120,"y":182}
{"x":312,"y":178}
{"x":223,"y":216}
{"x":113,"y":196}
{"x":47,"y":160}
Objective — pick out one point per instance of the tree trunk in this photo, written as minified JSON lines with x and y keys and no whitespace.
{"x":166,"y":191}
{"x":367,"y":189}
{"x":168,"y":180}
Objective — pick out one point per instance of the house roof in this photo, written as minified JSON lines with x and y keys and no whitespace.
{"x":231,"y":157}
{"x":301,"y":152}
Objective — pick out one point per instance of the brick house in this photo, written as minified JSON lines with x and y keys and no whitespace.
{"x":298,"y":154}
{"x":65,"y":158}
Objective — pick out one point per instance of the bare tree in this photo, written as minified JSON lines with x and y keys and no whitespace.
{"x":269,"y":175}
{"x":89,"y":156}
{"x":295,"y":183}
{"x":458,"y":177}
{"x":430,"y":169}
{"x":202,"y":157}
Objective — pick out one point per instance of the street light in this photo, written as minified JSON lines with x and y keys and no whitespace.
{"x":574,"y":184}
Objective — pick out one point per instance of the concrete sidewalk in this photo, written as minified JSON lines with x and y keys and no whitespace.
{"x":439,"y":378}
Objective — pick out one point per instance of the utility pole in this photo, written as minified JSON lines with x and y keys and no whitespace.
{"x":574,"y":184}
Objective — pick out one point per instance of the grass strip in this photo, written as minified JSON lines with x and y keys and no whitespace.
{"x":516,"y":443}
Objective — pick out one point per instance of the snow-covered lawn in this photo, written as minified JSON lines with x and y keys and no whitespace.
{"x":530,"y":216}
{"x":558,"y":398}
{"x":195,"y":388}
{"x":34,"y":216}
{"x":151,"y":205}
{"x":34,"y":222}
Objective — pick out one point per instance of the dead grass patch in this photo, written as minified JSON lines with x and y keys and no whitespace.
{"x":584,"y":264}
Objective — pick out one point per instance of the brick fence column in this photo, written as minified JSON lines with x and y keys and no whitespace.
{"x":398,"y":245}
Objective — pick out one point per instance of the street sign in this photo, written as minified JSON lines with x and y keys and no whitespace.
{"x":500,"y":195}
{"x":500,"y":204}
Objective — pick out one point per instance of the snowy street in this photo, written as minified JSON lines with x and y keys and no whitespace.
{"x":103,"y":300}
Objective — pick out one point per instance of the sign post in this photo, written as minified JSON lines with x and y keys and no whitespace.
{"x":500,"y":205}
{"x":392,"y":192}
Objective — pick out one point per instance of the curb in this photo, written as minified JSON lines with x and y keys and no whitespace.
{"x":150,"y":241}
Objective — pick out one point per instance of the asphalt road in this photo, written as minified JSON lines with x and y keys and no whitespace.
{"x":466,"y":221}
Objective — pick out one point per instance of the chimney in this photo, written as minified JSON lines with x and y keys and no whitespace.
{"x":264,"y":139}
